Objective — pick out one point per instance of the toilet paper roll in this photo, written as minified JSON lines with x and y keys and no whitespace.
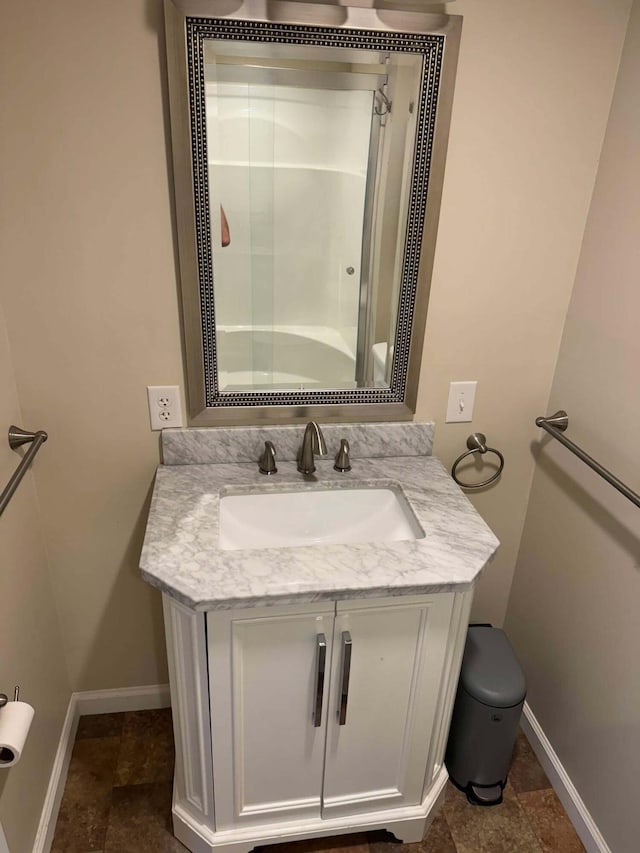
{"x":15,"y":722}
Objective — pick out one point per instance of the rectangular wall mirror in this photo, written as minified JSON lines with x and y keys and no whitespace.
{"x":309,"y":145}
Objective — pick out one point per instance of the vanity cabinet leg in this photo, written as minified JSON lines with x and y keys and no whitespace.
{"x":410,"y":831}
{"x":413,"y":831}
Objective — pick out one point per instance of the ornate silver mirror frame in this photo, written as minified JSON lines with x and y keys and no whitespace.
{"x":433,"y":36}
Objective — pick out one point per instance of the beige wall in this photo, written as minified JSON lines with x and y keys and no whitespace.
{"x":532,"y":97}
{"x":91,"y":302}
{"x":31,"y":652}
{"x":573,"y":612}
{"x":94,"y":316}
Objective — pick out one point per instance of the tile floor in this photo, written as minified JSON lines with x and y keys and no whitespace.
{"x":118,"y":800}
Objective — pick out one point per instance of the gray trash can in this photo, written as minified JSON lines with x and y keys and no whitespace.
{"x":486,"y":714}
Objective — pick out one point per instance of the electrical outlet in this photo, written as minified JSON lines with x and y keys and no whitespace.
{"x":460,"y":404}
{"x":165,"y":408}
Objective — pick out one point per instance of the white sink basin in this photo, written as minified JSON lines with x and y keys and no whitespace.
{"x":315,"y":517}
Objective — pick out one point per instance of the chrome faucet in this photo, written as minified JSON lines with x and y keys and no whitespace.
{"x":313,"y":442}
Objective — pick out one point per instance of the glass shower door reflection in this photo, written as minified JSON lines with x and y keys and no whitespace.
{"x":288,"y":181}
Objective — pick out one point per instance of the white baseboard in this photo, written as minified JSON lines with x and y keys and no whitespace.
{"x":574,"y":806}
{"x":80,"y":704}
{"x":55,"y":789}
{"x":125,"y":699}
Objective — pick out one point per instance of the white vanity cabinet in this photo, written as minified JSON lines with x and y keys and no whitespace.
{"x":269,"y":749}
{"x":262,"y":669}
{"x":376,"y":756}
{"x":311,"y":719}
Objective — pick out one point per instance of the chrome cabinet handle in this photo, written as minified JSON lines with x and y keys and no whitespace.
{"x":346,"y":671}
{"x":321,"y":660}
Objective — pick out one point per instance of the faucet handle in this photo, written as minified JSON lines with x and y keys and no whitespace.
{"x":268,"y":459}
{"x":342,"y":462}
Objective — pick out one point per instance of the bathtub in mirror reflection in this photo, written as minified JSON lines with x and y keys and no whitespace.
{"x":315,"y":161}
{"x":290,"y":358}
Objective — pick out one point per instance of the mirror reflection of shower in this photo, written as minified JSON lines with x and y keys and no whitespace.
{"x":299,"y":172}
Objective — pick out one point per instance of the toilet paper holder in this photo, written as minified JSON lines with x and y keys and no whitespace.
{"x":4,"y":698}
{"x":15,"y":722}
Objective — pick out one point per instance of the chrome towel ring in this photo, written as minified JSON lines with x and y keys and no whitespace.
{"x":477,"y":443}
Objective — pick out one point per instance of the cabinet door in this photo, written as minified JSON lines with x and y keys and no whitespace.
{"x":380,"y":722}
{"x":268,"y":728}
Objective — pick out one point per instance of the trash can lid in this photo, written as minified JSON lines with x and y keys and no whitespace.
{"x":490,"y":670}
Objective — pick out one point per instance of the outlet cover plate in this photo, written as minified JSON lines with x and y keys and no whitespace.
{"x":165,"y":406}
{"x":460,"y":404}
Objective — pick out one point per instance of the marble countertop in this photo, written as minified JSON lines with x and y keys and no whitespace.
{"x":181,"y":554}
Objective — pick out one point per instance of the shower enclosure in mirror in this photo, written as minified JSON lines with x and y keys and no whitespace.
{"x":308,"y":149}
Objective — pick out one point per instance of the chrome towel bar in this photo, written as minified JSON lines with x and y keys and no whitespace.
{"x":17,"y":437}
{"x":556,"y":425}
